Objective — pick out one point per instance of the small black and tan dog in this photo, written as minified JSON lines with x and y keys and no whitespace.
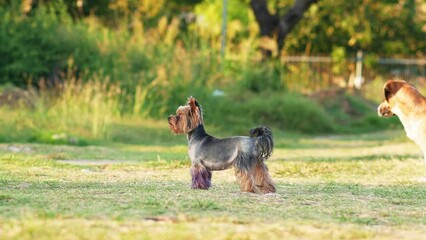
{"x":246,"y":154}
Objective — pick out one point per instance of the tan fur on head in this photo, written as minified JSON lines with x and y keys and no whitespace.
{"x":400,"y":95}
{"x":196,"y":111}
{"x":187,"y":117}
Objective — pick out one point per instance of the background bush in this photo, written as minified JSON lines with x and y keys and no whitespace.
{"x":143,"y":68}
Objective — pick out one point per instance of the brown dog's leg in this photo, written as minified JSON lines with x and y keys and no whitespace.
{"x":246,"y":180}
{"x":263,"y":180}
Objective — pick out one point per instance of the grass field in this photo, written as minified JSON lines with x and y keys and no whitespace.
{"x":329,"y":187}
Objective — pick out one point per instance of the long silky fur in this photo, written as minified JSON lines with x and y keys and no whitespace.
{"x":263,"y":180}
{"x":246,"y":180}
{"x":201,"y":177}
{"x":246,"y":154}
{"x":264,"y":142}
{"x":250,"y":168}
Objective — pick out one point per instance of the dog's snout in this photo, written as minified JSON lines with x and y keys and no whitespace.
{"x":379,"y":112}
{"x":384,"y":111}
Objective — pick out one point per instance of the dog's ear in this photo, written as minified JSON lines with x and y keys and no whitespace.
{"x":192,"y":102}
{"x":392,"y":87}
{"x":195,"y":113}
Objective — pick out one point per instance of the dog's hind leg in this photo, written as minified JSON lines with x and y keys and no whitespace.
{"x":201,"y":177}
{"x":245,"y":169}
{"x":262,"y":178}
{"x":246,"y":181}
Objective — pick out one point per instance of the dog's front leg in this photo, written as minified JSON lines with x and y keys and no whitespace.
{"x":201,"y":177}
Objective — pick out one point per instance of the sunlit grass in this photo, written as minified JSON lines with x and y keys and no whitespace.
{"x":184,"y":228}
{"x":353,"y":187}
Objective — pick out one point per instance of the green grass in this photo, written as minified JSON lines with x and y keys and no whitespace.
{"x":329,"y":187}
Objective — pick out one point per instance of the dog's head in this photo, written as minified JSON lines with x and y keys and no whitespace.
{"x":187,"y":117}
{"x":395,"y":92}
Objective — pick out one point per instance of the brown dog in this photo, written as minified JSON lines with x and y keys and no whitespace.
{"x":405,"y":101}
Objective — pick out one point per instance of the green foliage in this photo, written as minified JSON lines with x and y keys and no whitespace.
{"x":155,"y":66}
{"x":289,"y":112}
{"x":153,"y":74}
{"x":210,"y":13}
{"x":261,"y":79}
{"x":95,"y":111}
{"x":338,"y":55}
{"x":385,"y":27}
{"x":42,"y":45}
{"x":76,"y":112}
{"x":351,"y":113}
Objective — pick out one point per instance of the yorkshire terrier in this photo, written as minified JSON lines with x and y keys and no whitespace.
{"x":246,"y":154}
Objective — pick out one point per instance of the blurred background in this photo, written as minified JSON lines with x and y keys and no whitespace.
{"x":86,"y":72}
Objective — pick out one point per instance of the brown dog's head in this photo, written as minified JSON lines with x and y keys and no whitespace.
{"x":187,"y":117}
{"x":390,"y":89}
{"x":398,"y":94}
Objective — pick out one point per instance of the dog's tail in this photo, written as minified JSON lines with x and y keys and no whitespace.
{"x":264,"y":142}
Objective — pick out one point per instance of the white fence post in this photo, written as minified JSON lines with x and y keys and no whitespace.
{"x":359,"y":80}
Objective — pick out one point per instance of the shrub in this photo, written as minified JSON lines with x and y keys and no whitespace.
{"x":71,"y":114}
{"x":291,"y":112}
{"x":261,"y":78}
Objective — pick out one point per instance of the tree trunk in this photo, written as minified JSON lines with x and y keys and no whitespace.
{"x":270,"y":24}
{"x":266,"y":21}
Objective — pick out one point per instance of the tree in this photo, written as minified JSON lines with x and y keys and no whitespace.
{"x":271,"y":25}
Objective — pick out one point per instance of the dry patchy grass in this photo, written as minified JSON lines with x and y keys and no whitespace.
{"x":352,"y":187}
